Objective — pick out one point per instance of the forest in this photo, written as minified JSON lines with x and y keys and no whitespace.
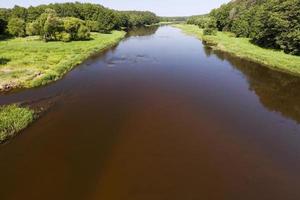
{"x":269,"y":23}
{"x":68,"y":21}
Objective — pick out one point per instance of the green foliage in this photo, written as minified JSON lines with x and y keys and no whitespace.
{"x":13,"y":119}
{"x":93,"y":26}
{"x":53,"y":25}
{"x":64,"y":36}
{"x":19,"y":12}
{"x":52,"y":28}
{"x":75,"y":28}
{"x":3,"y":25}
{"x":28,"y":62}
{"x":173,"y":19}
{"x":83,"y":33}
{"x":105,"y":21}
{"x":32,"y":28}
{"x":16,"y":27}
{"x":209,"y":31}
{"x":139,"y":18}
{"x":4,"y":14}
{"x":199,"y":20}
{"x":204,"y":22}
{"x":47,"y":19}
{"x":269,"y":23}
{"x":244,"y":48}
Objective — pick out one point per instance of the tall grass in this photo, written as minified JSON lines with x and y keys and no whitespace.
{"x":243,"y":48}
{"x":13,"y":119}
{"x":30,"y":62}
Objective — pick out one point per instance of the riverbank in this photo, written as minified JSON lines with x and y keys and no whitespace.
{"x":29,"y":62}
{"x":13,"y":119}
{"x":243,"y":48}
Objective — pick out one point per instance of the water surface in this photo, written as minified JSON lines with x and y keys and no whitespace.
{"x":159,"y":116}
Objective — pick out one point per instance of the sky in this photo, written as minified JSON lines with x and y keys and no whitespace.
{"x":160,"y":7}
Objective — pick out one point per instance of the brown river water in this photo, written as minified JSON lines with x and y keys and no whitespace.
{"x":159,"y":117}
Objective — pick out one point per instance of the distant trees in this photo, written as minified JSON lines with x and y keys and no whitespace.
{"x":199,"y":20}
{"x":269,"y":23}
{"x":137,"y":18}
{"x":174,"y":19}
{"x":205,"y":22}
{"x":69,"y":21}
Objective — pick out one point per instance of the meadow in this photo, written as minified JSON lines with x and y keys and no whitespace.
{"x":29,"y":62}
{"x":243,"y":48}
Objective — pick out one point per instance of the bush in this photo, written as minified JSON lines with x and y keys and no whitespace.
{"x":93,"y":26}
{"x":209,"y":31}
{"x":76,"y":28}
{"x":64,"y":36}
{"x":32,"y":29}
{"x":52,"y":26}
{"x":83,"y":33}
{"x":210,"y":27}
{"x":16,"y":27}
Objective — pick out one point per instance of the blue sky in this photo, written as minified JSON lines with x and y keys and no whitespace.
{"x":160,"y":7}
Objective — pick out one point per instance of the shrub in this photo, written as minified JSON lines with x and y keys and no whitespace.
{"x":52,"y":25}
{"x":93,"y":26}
{"x":209,"y":31}
{"x":16,"y":27}
{"x":64,"y":36}
{"x":83,"y":33}
{"x":76,"y":28}
{"x":32,"y":28}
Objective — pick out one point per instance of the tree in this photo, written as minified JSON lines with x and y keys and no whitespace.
{"x":32,"y":28}
{"x":19,"y":12}
{"x":4,"y":14}
{"x":3,"y":25}
{"x":16,"y":27}
{"x":52,"y":25}
{"x":48,"y":20}
{"x":269,"y":23}
{"x":83,"y":33}
{"x":93,"y":26}
{"x":76,"y":28}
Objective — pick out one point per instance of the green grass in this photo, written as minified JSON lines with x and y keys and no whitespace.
{"x":13,"y":119}
{"x":29,"y":62}
{"x":243,"y":48}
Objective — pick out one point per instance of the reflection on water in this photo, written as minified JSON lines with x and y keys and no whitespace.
{"x":277,"y":91}
{"x":142,"y":31}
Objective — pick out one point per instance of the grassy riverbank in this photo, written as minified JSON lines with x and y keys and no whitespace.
{"x":13,"y":119}
{"x":243,"y":48}
{"x":29,"y":62}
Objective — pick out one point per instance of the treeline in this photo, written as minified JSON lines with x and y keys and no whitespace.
{"x":269,"y":23}
{"x":173,"y":19}
{"x":200,"y":20}
{"x":69,"y":21}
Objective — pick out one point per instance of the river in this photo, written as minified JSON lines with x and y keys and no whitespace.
{"x":160,"y":116}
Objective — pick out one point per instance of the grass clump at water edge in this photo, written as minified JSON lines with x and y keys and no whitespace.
{"x":13,"y":119}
